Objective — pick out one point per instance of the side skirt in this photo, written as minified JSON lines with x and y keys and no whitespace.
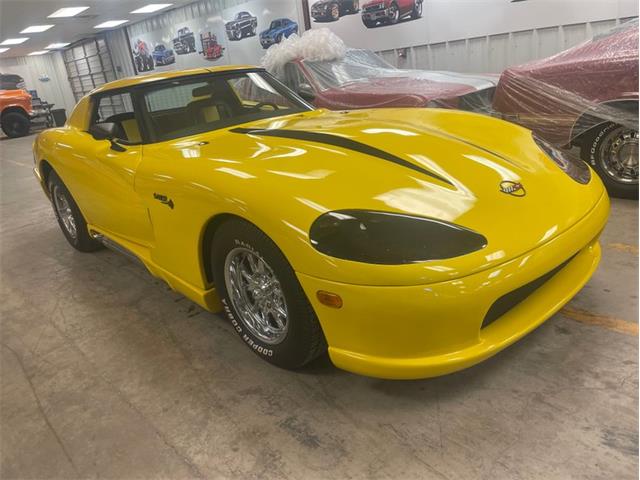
{"x":207,"y":299}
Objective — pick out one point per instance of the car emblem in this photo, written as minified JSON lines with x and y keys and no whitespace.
{"x":512,"y":188}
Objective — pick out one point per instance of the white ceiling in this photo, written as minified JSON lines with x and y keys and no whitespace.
{"x":16,"y":15}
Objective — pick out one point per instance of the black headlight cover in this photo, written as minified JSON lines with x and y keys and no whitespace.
{"x":387,"y":238}
{"x":574,"y":167}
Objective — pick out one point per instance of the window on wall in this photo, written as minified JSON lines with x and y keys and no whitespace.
{"x":89,"y":65}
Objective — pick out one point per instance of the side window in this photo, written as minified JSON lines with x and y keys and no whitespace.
{"x":118,"y":109}
{"x":293,"y":77}
{"x":187,"y":107}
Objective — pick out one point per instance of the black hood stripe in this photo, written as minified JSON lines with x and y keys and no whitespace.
{"x":342,"y":142}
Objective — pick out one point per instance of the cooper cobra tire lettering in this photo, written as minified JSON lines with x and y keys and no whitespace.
{"x":236,"y":325}
{"x":303,"y":339}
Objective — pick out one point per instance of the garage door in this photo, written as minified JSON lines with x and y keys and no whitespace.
{"x":89,"y":65}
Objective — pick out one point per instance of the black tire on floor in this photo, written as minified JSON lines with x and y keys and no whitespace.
{"x":82,"y":241}
{"x":15,"y":124}
{"x":304,"y":340}
{"x":591,"y":151}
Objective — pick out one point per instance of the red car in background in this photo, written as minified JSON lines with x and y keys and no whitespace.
{"x":587,"y":97}
{"x":361,"y":79}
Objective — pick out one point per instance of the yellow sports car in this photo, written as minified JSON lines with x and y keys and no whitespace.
{"x":408,"y":242}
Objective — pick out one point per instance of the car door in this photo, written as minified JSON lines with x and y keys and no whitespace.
{"x":104,"y":184}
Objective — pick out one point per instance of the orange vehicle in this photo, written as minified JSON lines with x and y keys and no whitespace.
{"x":15,"y":112}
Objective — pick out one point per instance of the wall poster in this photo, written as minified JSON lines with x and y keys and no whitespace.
{"x":372,"y":24}
{"x":240,"y":35}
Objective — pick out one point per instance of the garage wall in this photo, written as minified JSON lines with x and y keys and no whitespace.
{"x":56,"y":90}
{"x":494,"y":53}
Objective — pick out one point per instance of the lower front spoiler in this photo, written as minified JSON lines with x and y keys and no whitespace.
{"x":420,"y":331}
{"x":513,"y":325}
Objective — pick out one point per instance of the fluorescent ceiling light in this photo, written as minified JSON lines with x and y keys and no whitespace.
{"x":39,"y":52}
{"x":2,"y":50}
{"x":53,"y":46}
{"x":152,"y":7}
{"x":14,"y":41}
{"x":67,"y":12}
{"x":111,"y":24}
{"x":37,"y":28}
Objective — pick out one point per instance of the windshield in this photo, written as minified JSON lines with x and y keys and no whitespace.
{"x":274,"y":24}
{"x":203,"y":103}
{"x":357,"y":65}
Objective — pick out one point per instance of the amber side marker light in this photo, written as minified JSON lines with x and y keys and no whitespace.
{"x":329,"y":299}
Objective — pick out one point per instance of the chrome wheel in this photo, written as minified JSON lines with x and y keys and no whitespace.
{"x":256,"y":295}
{"x":619,"y":155}
{"x":63,"y":210}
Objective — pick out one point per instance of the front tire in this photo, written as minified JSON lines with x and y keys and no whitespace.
{"x":335,"y":12}
{"x":612,"y":151}
{"x":263,"y":298}
{"x":70,"y":219}
{"x":368,"y":23}
{"x":15,"y":124}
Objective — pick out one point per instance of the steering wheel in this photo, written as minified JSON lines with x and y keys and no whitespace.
{"x":259,"y":105}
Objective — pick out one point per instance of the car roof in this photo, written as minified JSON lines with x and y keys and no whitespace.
{"x":157,"y":77}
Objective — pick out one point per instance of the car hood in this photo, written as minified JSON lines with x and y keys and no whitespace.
{"x":419,"y":90}
{"x":435,"y":163}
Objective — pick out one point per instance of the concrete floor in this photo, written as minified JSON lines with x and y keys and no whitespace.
{"x":107,"y":373}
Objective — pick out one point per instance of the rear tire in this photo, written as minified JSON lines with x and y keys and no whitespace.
{"x":395,"y":18}
{"x":417,"y":10}
{"x":71,"y":221}
{"x":15,"y":124}
{"x":289,"y":341}
{"x":612,"y":151}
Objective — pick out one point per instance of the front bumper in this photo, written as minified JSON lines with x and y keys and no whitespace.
{"x":375,"y":15}
{"x":267,"y":42}
{"x":429,"y":330}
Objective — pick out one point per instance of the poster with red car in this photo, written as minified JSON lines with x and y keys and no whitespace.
{"x":374,"y":24}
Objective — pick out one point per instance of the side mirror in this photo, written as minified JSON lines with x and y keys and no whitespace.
{"x":306,"y":92}
{"x":106,"y":131}
{"x":103,"y":131}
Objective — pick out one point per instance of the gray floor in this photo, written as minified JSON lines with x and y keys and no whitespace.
{"x":106,"y":373}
